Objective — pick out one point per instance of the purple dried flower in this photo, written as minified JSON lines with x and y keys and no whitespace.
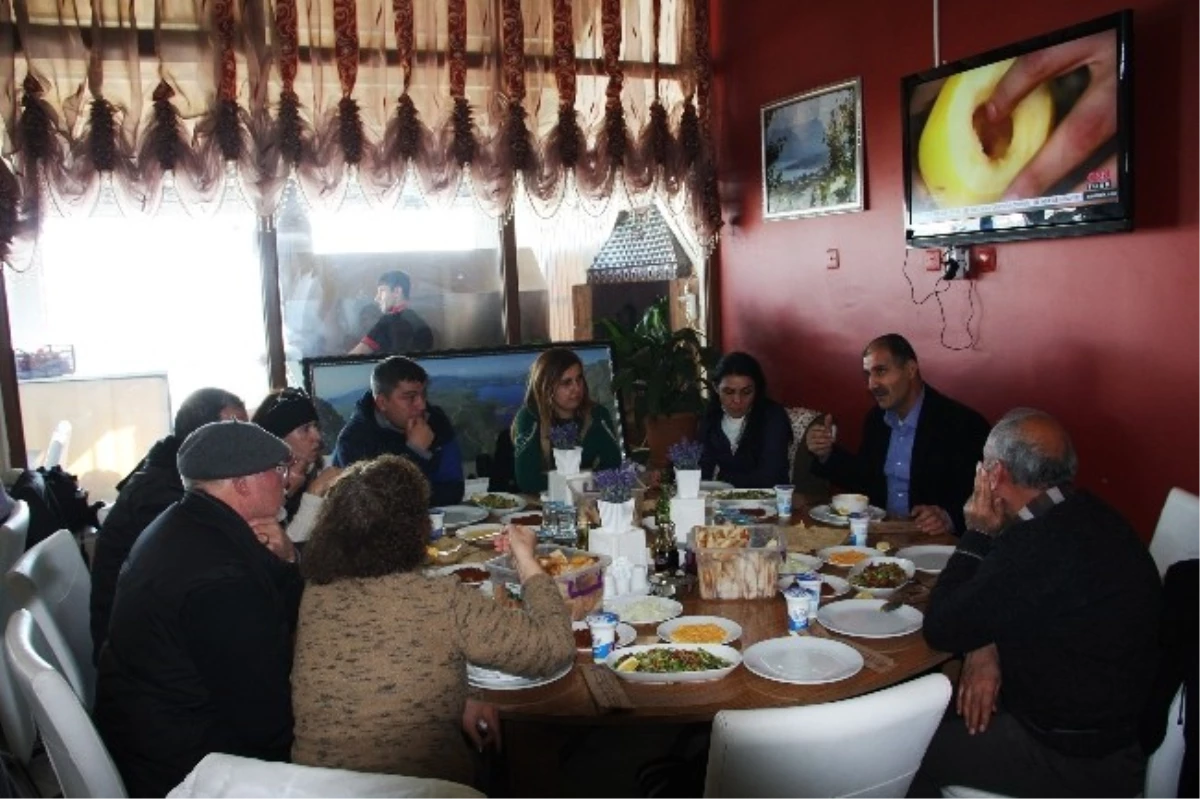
{"x":616,"y":485}
{"x":685,"y":454}
{"x":564,"y":436}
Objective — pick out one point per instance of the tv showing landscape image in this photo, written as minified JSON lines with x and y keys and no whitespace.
{"x":480,"y":390}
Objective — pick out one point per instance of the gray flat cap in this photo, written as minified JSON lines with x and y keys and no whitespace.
{"x":219,"y":450}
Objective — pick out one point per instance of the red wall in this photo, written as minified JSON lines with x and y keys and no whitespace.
{"x":1101,"y":331}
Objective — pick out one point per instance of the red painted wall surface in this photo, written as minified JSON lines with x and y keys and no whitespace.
{"x":1101,"y":331}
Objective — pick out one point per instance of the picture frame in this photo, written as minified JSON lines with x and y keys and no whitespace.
{"x":812,"y":153}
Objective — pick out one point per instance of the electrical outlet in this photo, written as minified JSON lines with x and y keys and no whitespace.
{"x":957,"y":265}
{"x":832,"y":259}
{"x":933,"y":260}
{"x":983,"y":259}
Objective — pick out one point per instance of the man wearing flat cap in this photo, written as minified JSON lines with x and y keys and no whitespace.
{"x":199,"y":650}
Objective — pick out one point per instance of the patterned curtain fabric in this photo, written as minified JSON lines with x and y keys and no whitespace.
{"x":215,"y":98}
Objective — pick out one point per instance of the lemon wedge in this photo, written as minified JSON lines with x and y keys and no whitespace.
{"x":883,"y":546}
{"x":864,"y":595}
{"x":628,"y":664}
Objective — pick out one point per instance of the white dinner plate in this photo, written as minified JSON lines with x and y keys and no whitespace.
{"x":863,"y":618}
{"x":478,"y":533}
{"x":714,"y":485}
{"x":803,"y":660}
{"x":733,"y":630}
{"x":928,"y":558}
{"x":458,"y":515}
{"x":840,"y":587}
{"x":492,"y":680}
{"x":644,"y":609}
{"x":626,"y":635}
{"x":798,"y":562}
{"x":826,"y":514}
{"x":725,"y":653}
{"x":756,"y":510}
{"x":515,"y":503}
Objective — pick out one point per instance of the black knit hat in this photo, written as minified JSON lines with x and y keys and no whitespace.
{"x":283,"y":412}
{"x":219,"y":450}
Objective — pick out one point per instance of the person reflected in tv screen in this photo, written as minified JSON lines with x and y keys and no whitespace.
{"x":400,"y":330}
{"x":557,"y":397}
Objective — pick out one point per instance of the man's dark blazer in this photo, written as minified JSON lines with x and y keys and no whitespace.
{"x":948,"y":444}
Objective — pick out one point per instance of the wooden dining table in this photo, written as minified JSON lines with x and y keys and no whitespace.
{"x":535,"y":717}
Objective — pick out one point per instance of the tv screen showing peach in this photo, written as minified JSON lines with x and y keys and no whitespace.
{"x":1022,"y":139}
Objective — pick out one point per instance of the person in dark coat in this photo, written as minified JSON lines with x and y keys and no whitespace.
{"x":144,"y":493}
{"x":1057,"y":601}
{"x":394,"y":418}
{"x":919,"y":447}
{"x":199,"y":651}
{"x":745,"y":434}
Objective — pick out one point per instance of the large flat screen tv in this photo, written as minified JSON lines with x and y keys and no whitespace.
{"x":480,"y":389}
{"x":1027,"y":141}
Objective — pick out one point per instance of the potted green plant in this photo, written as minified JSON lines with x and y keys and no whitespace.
{"x":662,"y":373}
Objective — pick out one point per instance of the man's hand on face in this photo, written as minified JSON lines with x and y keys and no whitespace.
{"x":419,"y":433}
{"x":984,"y":511}
{"x":979,"y":687}
{"x":271,"y":535}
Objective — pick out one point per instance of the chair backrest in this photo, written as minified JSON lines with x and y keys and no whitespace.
{"x":220,"y":775}
{"x":16,"y":719}
{"x":818,"y":750}
{"x":52,"y":581}
{"x":1163,"y":766}
{"x":1177,"y":536}
{"x":80,"y":760}
{"x":800,"y":418}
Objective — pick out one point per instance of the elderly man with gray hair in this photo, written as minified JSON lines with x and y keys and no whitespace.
{"x":1056,"y":600}
{"x":199,"y":650}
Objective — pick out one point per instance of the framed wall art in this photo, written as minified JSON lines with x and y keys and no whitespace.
{"x":812,"y":151}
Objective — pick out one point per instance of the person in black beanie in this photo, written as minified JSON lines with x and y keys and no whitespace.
{"x":290,"y":414}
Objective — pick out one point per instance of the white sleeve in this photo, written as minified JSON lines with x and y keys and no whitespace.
{"x":305,"y":519}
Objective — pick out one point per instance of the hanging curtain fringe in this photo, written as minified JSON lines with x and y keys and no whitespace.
{"x":470,"y":147}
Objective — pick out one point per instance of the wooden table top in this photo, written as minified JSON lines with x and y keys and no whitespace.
{"x":568,"y":700}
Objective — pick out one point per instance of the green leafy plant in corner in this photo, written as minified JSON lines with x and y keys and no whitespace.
{"x":660,"y":370}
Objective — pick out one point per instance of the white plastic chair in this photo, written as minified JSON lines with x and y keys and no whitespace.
{"x":1177,"y":536}
{"x":80,"y":760}
{"x":219,"y":775}
{"x":16,"y":719}
{"x":60,"y":442}
{"x":52,"y":581}
{"x":1163,"y":767}
{"x":817,"y":750}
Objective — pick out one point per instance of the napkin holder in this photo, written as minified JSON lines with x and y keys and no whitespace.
{"x":686,"y":514}
{"x":559,"y":485}
{"x":630,"y":543}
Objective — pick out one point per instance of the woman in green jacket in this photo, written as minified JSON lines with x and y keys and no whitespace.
{"x":558,"y":394}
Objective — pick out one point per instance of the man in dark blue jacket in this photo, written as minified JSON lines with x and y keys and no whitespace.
{"x":394,"y":418}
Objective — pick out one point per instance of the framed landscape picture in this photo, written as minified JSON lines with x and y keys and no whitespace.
{"x":812,"y":152}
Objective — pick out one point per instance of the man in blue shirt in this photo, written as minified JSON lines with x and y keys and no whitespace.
{"x":919,"y":447}
{"x":393,"y":417}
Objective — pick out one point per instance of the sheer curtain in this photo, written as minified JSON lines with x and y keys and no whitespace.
{"x":579,"y":99}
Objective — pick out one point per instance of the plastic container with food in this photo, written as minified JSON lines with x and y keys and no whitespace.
{"x":579,"y":575}
{"x":737,"y":561}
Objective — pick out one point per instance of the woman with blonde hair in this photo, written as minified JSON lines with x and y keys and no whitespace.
{"x":379,"y":676}
{"x":556,"y":396}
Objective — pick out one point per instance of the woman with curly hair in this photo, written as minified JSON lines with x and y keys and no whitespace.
{"x":379,"y":677}
{"x":557,"y":394}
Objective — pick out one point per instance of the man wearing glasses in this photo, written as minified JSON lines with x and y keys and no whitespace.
{"x":394,"y":418}
{"x":199,"y":650}
{"x":919,"y":447}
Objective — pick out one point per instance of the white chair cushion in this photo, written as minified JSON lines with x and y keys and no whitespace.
{"x":220,"y":775}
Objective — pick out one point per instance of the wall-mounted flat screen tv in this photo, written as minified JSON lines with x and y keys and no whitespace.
{"x":1027,"y":141}
{"x":480,"y":389}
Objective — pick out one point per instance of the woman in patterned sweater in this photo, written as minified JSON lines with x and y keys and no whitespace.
{"x":379,"y":677}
